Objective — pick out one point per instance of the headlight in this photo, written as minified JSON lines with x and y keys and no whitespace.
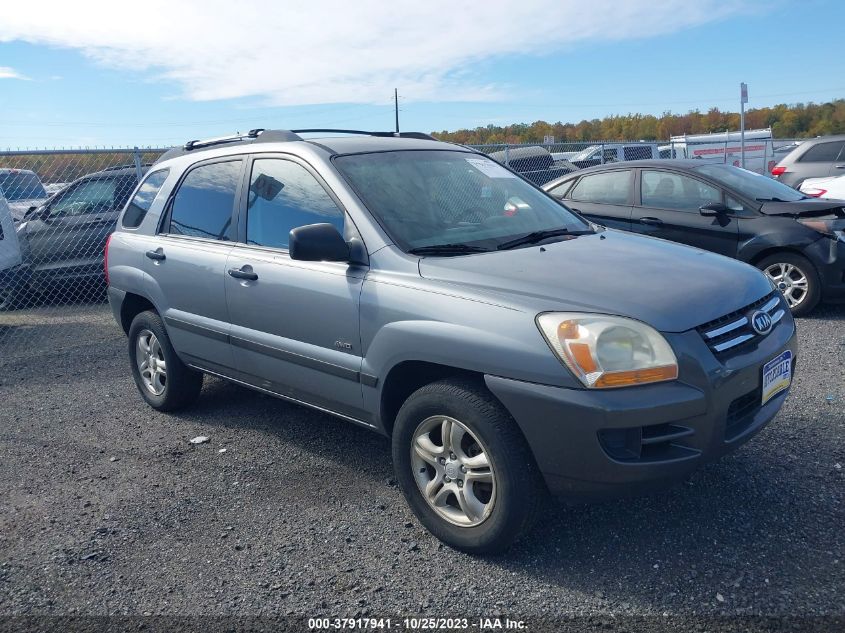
{"x":608,"y":351}
{"x":831,"y":228}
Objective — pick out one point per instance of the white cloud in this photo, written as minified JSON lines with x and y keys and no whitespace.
{"x":294,"y":53}
{"x":7,"y":72}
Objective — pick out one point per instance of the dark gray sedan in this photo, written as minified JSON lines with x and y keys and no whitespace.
{"x":798,"y":241}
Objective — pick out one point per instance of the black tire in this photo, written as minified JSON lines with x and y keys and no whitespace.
{"x":183,"y":384}
{"x":520,"y":490}
{"x":813,"y":295}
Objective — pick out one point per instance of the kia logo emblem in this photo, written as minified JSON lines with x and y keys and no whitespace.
{"x":761,"y":322}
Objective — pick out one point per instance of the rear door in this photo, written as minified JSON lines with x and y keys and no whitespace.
{"x":605,"y":197}
{"x":186,"y":262}
{"x":295,"y":324}
{"x":669,"y":208}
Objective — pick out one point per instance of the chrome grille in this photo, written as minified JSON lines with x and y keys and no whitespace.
{"x":733,"y":330}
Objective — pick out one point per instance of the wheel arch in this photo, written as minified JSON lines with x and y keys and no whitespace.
{"x":133,"y":304}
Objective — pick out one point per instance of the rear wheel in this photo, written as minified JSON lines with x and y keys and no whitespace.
{"x":464,"y":467}
{"x":796,"y":278}
{"x":163,"y":380}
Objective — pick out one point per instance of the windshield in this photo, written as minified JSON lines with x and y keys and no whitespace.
{"x":21,"y":185}
{"x":585,"y":154}
{"x":756,"y":186}
{"x":429,"y":198}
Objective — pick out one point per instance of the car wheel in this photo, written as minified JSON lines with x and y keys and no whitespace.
{"x":163,"y":380}
{"x":465,"y":467}
{"x":796,"y":278}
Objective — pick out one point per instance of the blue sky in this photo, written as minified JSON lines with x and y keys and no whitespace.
{"x":72,"y":81}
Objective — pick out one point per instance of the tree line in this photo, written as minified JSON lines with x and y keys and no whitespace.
{"x":787,"y":121}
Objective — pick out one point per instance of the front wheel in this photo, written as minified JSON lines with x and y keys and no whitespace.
{"x":796,"y":278}
{"x":465,"y":467}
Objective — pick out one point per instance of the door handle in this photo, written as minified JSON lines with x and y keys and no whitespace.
{"x":839,"y":166}
{"x":158,"y":255}
{"x":651,"y":221}
{"x":243,"y":273}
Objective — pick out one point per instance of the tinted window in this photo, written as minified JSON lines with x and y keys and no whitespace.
{"x":21,"y":185}
{"x":666,"y":190}
{"x":204,"y":202}
{"x":610,"y":187}
{"x":822,"y":152}
{"x":755,"y":186}
{"x":636,"y":152}
{"x":98,"y":195}
{"x":282,"y":196}
{"x":143,"y":199}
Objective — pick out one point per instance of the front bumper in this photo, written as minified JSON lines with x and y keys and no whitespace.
{"x":828,"y":256}
{"x":594,"y":444}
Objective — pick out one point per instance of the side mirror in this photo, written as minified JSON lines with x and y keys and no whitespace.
{"x":318,"y":243}
{"x":714,"y":208}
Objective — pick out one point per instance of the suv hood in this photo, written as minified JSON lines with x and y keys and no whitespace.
{"x":806,"y":208}
{"x":671,"y":287}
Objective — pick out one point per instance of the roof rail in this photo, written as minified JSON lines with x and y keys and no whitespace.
{"x":260,"y":135}
{"x":417,"y":135}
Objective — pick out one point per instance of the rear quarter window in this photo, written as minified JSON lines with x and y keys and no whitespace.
{"x":822,"y":152}
{"x":143,"y":199}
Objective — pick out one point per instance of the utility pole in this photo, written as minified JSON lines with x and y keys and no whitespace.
{"x":396,"y":108}
{"x":743,"y":99}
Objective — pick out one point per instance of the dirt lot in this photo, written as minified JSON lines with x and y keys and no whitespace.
{"x":107,"y":509}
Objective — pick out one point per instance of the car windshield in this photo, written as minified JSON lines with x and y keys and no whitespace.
{"x":21,"y":185}
{"x":755,"y":186}
{"x":449,"y":198}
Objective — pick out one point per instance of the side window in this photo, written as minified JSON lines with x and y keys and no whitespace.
{"x":609,"y":155}
{"x":203,"y":205}
{"x":89,"y":196}
{"x":610,"y":187}
{"x":143,"y":199}
{"x":282,"y":196}
{"x":822,"y":152}
{"x":637,"y":152}
{"x":667,"y":190}
{"x":733,"y":204}
{"x":561,"y":190}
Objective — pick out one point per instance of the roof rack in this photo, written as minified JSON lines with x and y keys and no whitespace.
{"x":261,"y":135}
{"x":417,"y":135}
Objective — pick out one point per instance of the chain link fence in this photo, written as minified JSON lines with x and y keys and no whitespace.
{"x":58,"y":207}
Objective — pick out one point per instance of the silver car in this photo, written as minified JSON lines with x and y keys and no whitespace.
{"x":507,"y":346}
{"x":816,"y":158}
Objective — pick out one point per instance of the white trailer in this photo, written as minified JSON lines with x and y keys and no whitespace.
{"x":725,"y":147}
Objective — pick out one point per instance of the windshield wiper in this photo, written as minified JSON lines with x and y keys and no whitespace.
{"x":447,"y":249}
{"x":537,"y":236}
{"x":775,"y":199}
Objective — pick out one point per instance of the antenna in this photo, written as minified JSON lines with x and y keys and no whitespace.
{"x":396,"y":108}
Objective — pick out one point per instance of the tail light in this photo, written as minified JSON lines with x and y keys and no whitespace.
{"x":778,"y":170}
{"x":814,"y":192}
{"x":106,"y":258}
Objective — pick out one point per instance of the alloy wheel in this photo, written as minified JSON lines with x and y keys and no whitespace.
{"x":453,"y":471}
{"x":151,"y":364}
{"x":791,"y":282}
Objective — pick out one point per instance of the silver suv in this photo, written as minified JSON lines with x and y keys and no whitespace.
{"x":422,"y":290}
{"x":816,"y":158}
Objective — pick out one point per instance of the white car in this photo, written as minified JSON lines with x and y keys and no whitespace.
{"x":828,"y":187}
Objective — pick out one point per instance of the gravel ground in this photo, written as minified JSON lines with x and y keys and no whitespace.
{"x":108,"y":509}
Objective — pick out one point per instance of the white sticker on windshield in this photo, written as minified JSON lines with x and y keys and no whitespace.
{"x":489,"y":168}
